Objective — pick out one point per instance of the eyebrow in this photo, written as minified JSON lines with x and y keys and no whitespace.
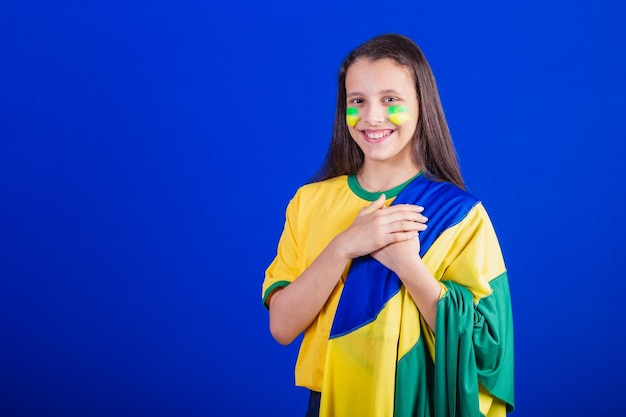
{"x":357,"y":93}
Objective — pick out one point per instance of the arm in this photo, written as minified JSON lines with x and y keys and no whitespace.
{"x":293,"y":308}
{"x":425,"y":290}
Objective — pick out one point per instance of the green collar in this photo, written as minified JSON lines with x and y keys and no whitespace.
{"x":373,"y":196}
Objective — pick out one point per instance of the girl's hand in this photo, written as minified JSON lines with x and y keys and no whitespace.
{"x":400,"y":256}
{"x":378,"y":226}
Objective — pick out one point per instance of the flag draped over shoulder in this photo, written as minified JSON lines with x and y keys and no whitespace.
{"x":383,"y":360}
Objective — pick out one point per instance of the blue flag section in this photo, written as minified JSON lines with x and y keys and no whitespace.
{"x":148,"y":151}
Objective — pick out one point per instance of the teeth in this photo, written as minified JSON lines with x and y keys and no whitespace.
{"x":376,"y":135}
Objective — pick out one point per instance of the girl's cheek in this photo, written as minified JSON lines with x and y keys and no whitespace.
{"x":352,"y":116}
{"x":399,"y":114}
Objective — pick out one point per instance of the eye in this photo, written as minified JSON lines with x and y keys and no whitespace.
{"x":356,"y":101}
{"x":390,"y":99}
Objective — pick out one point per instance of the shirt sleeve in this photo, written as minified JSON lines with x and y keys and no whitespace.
{"x":284,"y":268}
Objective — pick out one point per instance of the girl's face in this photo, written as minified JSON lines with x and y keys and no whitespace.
{"x":382,"y":110}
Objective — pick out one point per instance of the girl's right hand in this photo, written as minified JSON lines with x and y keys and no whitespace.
{"x":377,"y":226}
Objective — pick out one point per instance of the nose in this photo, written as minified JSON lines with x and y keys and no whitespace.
{"x":374,"y":114}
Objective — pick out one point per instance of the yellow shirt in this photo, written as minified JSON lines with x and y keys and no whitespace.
{"x":315,"y":215}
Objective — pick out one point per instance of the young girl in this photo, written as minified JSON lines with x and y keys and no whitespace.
{"x":390,"y":268}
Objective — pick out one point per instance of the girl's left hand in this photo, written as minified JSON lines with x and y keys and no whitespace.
{"x":399,"y":256}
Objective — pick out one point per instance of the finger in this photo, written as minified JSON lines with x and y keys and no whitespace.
{"x":389,"y":217}
{"x":411,"y":207}
{"x":408,"y":226}
{"x":376,"y":205}
{"x":422,"y":219}
{"x":402,"y":236}
{"x":405,"y":208}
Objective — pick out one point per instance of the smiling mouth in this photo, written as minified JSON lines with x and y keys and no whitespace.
{"x":376,"y":135}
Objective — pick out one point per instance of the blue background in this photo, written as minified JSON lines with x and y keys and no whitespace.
{"x":148,"y":150}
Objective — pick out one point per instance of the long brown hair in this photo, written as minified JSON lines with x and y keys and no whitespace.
{"x":433,"y":149}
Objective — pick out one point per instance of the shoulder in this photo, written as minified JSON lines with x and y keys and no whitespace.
{"x":449,"y":190}
{"x":340,"y":182}
{"x":321,"y":189}
{"x":444,"y":203}
{"x":429,"y":191}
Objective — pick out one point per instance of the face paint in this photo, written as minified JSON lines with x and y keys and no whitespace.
{"x":399,"y":114}
{"x":352,"y":117}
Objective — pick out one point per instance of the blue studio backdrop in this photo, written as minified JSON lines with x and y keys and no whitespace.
{"x":148,"y":150}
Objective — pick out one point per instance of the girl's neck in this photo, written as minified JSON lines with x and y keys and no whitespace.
{"x":381,"y":177}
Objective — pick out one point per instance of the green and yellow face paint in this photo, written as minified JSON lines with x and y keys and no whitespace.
{"x":352,"y":116}
{"x":399,"y":114}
